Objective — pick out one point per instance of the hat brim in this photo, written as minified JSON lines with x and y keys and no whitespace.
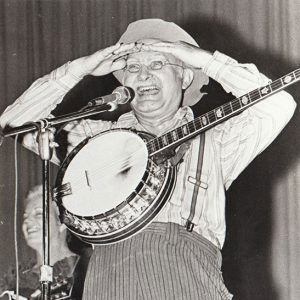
{"x":170,"y":32}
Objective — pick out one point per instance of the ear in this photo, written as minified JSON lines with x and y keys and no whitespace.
{"x":187,"y":78}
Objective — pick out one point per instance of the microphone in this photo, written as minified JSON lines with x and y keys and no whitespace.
{"x":120,"y":95}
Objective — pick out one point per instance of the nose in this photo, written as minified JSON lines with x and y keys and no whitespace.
{"x":28,"y":222}
{"x":144,"y":73}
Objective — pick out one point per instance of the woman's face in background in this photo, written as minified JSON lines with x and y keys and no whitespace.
{"x":33,"y":222}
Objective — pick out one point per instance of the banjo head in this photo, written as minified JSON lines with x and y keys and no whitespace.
{"x":106,"y":170}
{"x":108,"y":188}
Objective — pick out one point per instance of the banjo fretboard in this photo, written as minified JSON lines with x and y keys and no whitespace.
{"x":219,"y":114}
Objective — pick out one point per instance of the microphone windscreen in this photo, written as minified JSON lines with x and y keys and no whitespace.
{"x":125,"y":93}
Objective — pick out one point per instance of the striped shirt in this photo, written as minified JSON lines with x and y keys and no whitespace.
{"x":229,"y":147}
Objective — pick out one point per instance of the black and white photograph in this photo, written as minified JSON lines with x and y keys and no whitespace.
{"x":149,"y":149}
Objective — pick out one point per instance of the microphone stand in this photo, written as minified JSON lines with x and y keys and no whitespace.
{"x":45,"y":142}
{"x":46,"y":145}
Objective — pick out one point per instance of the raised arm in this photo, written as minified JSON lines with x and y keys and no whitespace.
{"x":240,"y":139}
{"x":47,"y":92}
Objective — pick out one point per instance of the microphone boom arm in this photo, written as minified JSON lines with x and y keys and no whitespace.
{"x":27,"y":127}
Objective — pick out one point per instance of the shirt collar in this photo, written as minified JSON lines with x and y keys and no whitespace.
{"x":182,"y":116}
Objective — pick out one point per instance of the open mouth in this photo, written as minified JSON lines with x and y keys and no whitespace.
{"x":32,"y":230}
{"x":148,"y":90}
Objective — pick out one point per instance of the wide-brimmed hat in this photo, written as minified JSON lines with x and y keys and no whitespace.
{"x":165,"y":31}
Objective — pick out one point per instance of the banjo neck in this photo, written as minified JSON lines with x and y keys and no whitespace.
{"x":204,"y":122}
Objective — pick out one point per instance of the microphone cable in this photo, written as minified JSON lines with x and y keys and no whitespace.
{"x":16,"y":216}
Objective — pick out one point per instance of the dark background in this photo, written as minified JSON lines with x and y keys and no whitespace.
{"x":260,"y":255}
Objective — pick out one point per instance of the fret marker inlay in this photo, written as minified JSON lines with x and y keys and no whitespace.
{"x":264,"y":91}
{"x":287,"y":79}
{"x":245,"y":100}
{"x":165,"y":141}
{"x":174,"y":135}
{"x":185,"y":131}
{"x":219,"y":113}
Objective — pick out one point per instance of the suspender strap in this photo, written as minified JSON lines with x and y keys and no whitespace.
{"x":189,"y":224}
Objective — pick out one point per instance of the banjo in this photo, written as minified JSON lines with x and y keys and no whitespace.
{"x":113,"y":184}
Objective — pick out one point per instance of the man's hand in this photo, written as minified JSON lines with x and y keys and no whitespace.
{"x":104,"y":61}
{"x":191,"y":55}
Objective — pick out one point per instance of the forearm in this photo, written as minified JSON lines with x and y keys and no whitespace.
{"x":244,"y":136}
{"x":41,"y":98}
{"x":47,"y":92}
{"x":240,"y":79}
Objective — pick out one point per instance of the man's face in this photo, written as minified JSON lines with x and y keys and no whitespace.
{"x":33,"y":224}
{"x":158,"y":92}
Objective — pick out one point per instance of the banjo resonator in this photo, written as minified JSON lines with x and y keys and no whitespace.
{"x":109,"y":188}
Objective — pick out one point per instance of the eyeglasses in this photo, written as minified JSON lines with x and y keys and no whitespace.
{"x":154,"y":66}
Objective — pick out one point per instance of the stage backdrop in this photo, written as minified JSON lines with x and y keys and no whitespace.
{"x":261,"y":253}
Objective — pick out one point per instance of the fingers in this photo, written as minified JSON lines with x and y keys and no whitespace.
{"x":111,"y":52}
{"x":124,"y":48}
{"x":169,"y":47}
{"x":166,"y":47}
{"x":118,"y":64}
{"x":114,"y":57}
{"x":106,"y":52}
{"x":121,"y":50}
{"x":117,"y":51}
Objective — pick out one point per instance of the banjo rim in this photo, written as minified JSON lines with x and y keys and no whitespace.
{"x":132,"y":227}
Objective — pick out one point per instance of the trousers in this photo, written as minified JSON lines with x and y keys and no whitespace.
{"x":162,"y":262}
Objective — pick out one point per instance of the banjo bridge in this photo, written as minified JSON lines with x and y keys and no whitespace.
{"x":87,"y":179}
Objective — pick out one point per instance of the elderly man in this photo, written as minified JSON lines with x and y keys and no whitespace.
{"x":178,"y":255}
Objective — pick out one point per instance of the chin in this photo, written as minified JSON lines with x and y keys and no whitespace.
{"x":34,"y":239}
{"x":149,"y":108}
{"x":35,"y":245}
